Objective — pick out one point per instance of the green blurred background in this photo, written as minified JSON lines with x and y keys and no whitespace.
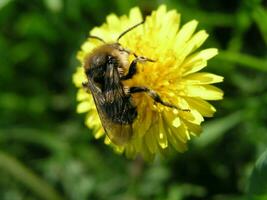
{"x":46,"y":152}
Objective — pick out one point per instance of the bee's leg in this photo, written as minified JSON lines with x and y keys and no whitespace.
{"x":155,"y":96}
{"x":132,"y":69}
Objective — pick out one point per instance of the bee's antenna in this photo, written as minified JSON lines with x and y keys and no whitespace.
{"x":129,"y":29}
{"x":98,"y":38}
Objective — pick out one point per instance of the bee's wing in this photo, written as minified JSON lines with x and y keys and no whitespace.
{"x":118,"y":133}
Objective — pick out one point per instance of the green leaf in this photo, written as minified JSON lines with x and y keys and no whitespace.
{"x":260,"y":17}
{"x":181,"y":191}
{"x":54,"y":5}
{"x":3,"y":3}
{"x":258,"y":180}
{"x":244,"y":60}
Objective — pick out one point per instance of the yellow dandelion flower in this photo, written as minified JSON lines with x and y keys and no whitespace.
{"x":174,"y":76}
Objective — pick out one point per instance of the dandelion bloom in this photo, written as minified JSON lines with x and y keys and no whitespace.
{"x":174,"y":76}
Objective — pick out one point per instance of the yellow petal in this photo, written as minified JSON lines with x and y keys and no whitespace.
{"x":197,"y":61}
{"x":100,"y":32}
{"x":135,"y":15}
{"x":178,"y":142}
{"x":151,"y":141}
{"x":185,"y":33}
{"x":79,"y":77}
{"x":195,"y":129}
{"x":192,"y":116}
{"x":99,"y":133}
{"x":83,"y":107}
{"x":118,"y":149}
{"x":137,"y":142}
{"x":130,"y":151}
{"x":202,"y":78}
{"x":207,"y":92}
{"x":92,"y":120}
{"x":176,"y":122}
{"x":88,"y":46}
{"x":172,"y":118}
{"x":82,"y":95}
{"x":113,"y":21}
{"x":161,"y":134}
{"x":160,"y":13}
{"x":107,"y":140}
{"x":206,"y":109}
{"x":195,"y":42}
{"x":143,"y":122}
{"x":148,"y":156}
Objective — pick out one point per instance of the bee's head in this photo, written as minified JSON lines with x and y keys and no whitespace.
{"x":103,"y":54}
{"x":100,"y":55}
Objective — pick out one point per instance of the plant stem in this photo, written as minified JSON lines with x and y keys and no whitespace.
{"x":27,"y":177}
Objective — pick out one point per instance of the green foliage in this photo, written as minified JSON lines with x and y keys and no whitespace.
{"x":258,"y":183}
{"x":46,"y":152}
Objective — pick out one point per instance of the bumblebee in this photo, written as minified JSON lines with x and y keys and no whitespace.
{"x":106,"y":67}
